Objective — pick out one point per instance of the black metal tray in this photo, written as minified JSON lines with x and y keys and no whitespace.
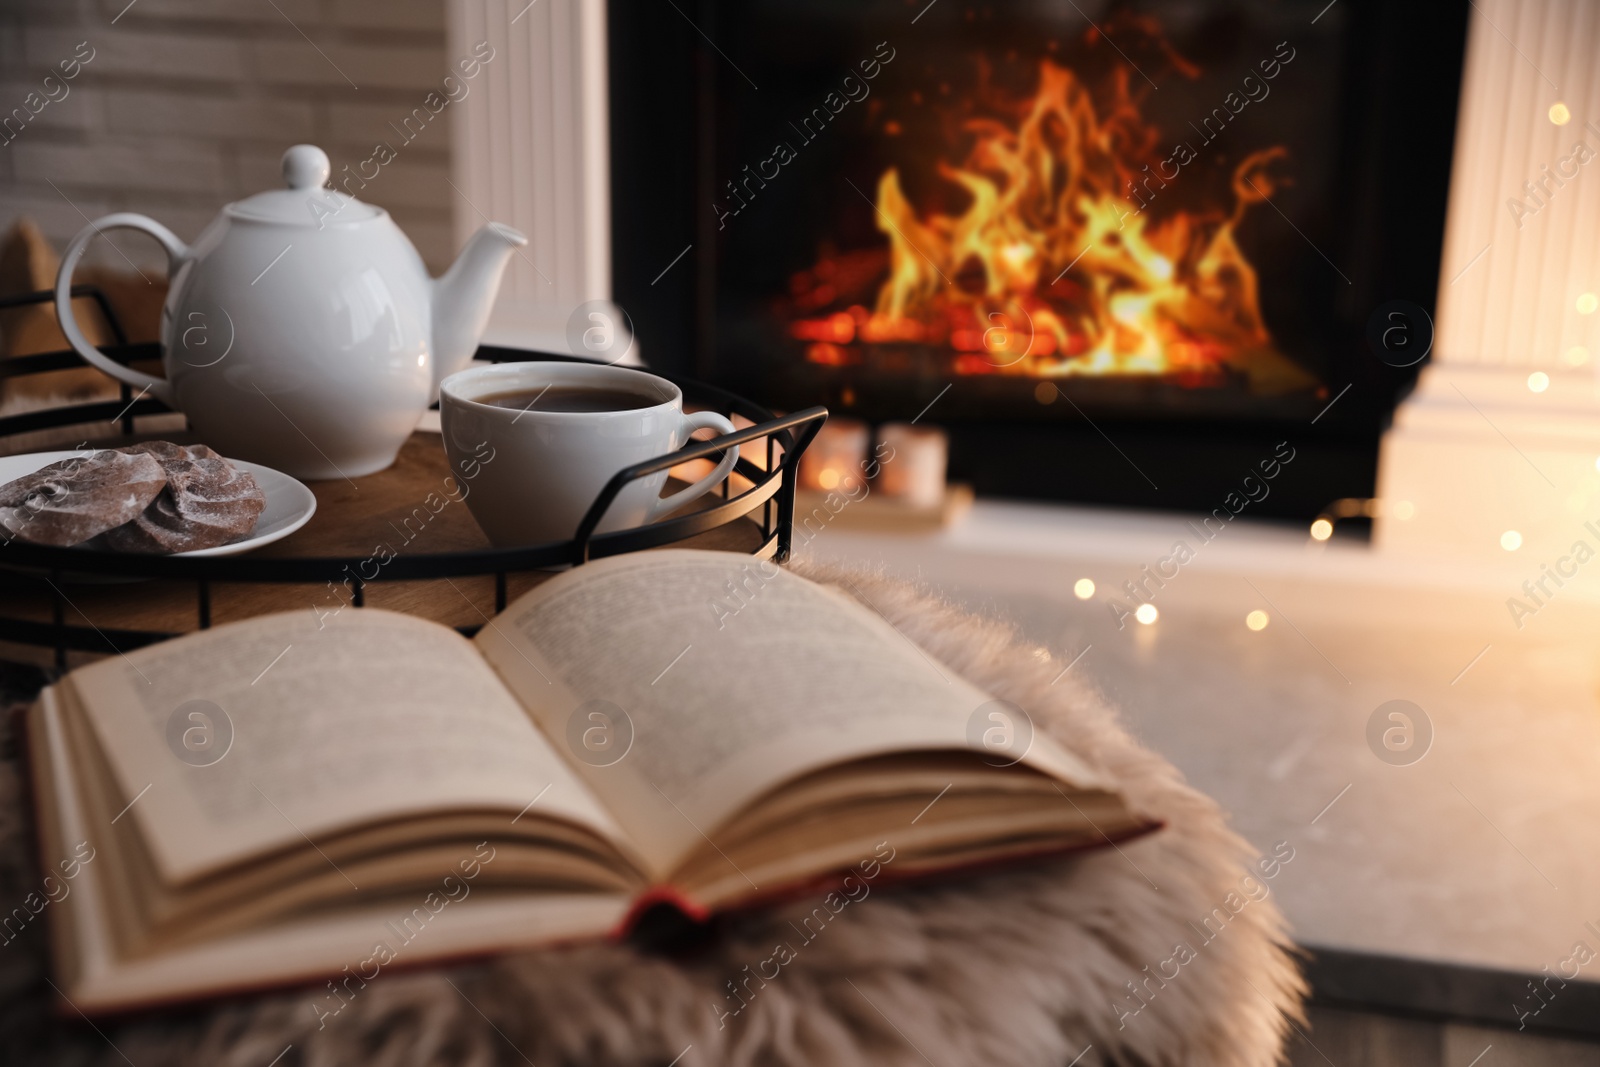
{"x":767,"y":486}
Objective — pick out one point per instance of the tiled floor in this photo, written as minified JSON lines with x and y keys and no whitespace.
{"x":1481,"y":854}
{"x":1357,"y":1039}
{"x":1464,"y":858}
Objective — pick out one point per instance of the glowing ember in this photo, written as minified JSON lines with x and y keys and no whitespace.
{"x":1059,"y":263}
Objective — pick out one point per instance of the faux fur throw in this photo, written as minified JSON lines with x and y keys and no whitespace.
{"x":1164,"y":952}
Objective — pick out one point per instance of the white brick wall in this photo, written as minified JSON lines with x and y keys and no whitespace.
{"x":188,"y":104}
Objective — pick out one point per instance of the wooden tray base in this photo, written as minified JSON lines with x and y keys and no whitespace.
{"x":415,"y":506}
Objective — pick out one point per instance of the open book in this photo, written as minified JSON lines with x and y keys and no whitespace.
{"x":298,"y":797}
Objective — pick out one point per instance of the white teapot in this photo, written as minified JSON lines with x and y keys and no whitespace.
{"x":301,"y":330}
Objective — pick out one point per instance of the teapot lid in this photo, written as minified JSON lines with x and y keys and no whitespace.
{"x":307,"y":201}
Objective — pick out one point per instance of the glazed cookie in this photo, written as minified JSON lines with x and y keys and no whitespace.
{"x":73,"y":500}
{"x":207,"y":502}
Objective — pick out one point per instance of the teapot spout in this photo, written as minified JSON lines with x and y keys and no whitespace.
{"x":464,"y":295}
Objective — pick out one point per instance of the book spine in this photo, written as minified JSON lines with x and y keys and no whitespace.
{"x":659,"y":896}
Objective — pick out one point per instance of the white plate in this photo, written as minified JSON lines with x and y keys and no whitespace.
{"x":290,"y":504}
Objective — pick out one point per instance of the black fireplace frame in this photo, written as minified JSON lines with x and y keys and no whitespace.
{"x":1402,"y":67}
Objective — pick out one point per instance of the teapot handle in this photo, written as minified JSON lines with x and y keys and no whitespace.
{"x":176,"y":251}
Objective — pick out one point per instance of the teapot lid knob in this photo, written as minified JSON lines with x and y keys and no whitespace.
{"x":309,"y":201}
{"x":305,"y":166}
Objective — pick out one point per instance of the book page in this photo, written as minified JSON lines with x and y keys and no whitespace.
{"x":271,"y":733}
{"x":716,"y":677}
{"x":460,"y":917}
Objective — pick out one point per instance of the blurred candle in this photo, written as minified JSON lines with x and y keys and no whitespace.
{"x":916,"y":473}
{"x":836,"y":457}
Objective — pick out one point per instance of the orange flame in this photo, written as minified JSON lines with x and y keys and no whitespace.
{"x":1055,"y":267}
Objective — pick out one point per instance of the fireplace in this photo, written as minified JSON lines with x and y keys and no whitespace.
{"x":1119,"y":251}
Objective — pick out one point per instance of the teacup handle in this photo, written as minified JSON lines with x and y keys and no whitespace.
{"x":176,"y":251}
{"x":699,"y":420}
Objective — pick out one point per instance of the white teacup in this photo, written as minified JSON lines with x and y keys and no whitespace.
{"x":543,"y":469}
